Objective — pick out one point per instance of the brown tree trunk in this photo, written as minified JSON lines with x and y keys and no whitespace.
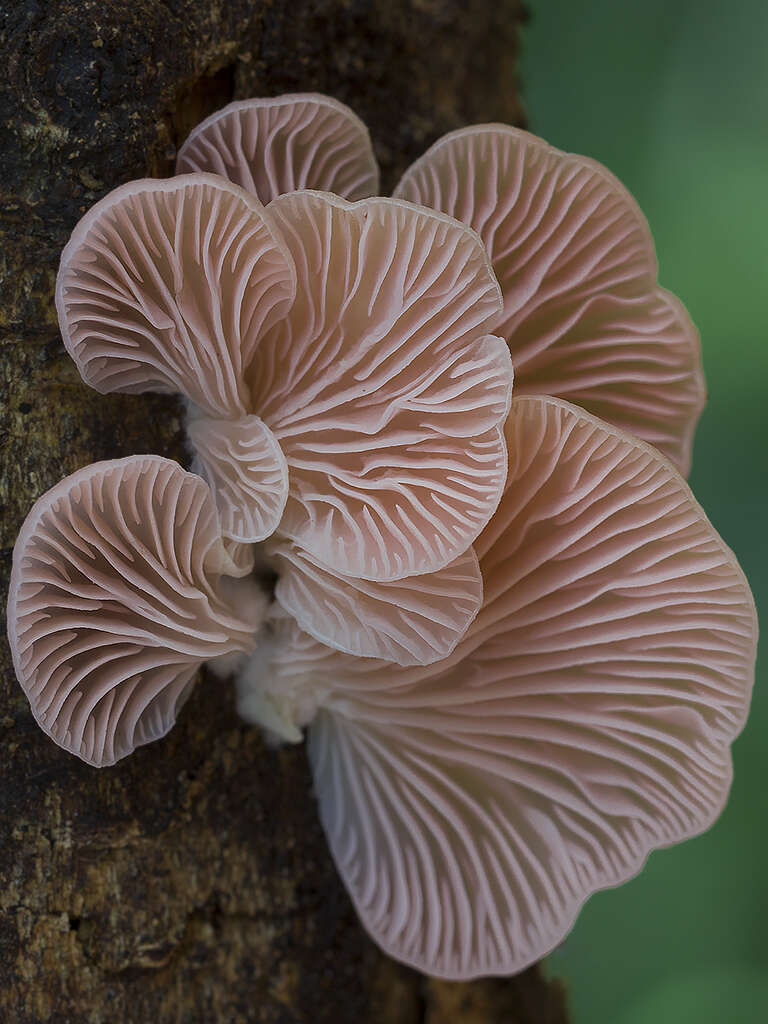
{"x":192,"y":882}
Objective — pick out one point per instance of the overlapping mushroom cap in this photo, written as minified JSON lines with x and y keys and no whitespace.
{"x":584,"y":720}
{"x":121,"y":588}
{"x":346,"y":397}
{"x":583,"y":313}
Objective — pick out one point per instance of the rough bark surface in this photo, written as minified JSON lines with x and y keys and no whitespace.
{"x":192,"y":882}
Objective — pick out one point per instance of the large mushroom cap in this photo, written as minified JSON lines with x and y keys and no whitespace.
{"x":584,"y":720}
{"x":116,"y":598}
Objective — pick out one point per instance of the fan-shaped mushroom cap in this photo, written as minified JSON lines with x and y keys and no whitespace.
{"x":584,"y":720}
{"x":246,"y":470}
{"x":381,"y":386}
{"x":583,"y":314}
{"x":168,"y":286}
{"x":272,"y":146}
{"x":413,"y":621}
{"x":116,"y":599}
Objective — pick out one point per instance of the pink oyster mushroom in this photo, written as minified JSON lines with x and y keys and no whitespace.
{"x":346,"y":398}
{"x":584,"y":720}
{"x":583,"y":714}
{"x":121,"y":588}
{"x":583,"y":313}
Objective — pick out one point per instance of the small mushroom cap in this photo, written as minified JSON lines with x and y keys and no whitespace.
{"x":584,"y":720}
{"x":584,"y":316}
{"x":246,"y":470}
{"x":168,"y":285}
{"x":413,"y":621}
{"x":116,"y":599}
{"x":292,"y":142}
{"x":240,"y":558}
{"x":382,"y":386}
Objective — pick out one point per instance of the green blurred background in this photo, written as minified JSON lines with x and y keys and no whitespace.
{"x":673,"y":97}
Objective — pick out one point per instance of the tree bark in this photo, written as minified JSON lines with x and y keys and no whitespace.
{"x":192,"y":882}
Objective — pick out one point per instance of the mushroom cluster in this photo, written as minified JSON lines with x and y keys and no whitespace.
{"x":519,"y":648}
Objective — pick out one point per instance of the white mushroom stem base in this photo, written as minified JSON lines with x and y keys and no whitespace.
{"x":282,"y":711}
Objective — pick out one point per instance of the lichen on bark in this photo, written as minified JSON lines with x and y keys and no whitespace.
{"x":191,"y":882}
